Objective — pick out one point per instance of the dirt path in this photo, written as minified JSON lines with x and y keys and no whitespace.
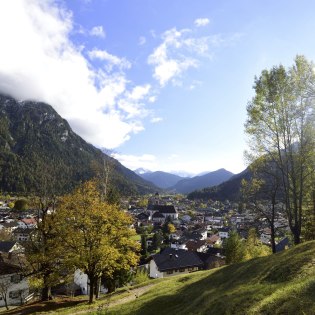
{"x":133,"y":295}
{"x":105,"y":304}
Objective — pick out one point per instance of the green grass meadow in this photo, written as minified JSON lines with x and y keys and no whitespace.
{"x":279,"y":284}
{"x":283,"y":283}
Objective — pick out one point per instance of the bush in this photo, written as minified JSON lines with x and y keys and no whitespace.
{"x":20,"y":204}
{"x":141,"y":276}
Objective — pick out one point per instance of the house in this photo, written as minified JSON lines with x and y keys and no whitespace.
{"x":176,"y":235}
{"x":9,"y":225}
{"x":81,"y":279}
{"x":21,"y":234}
{"x":9,"y":247}
{"x":200,"y":234}
{"x":14,"y":287}
{"x":216,"y":222}
{"x":265,"y":236}
{"x":158,"y":217}
{"x":224,"y":232}
{"x":238,"y":218}
{"x":214,"y":239}
{"x":282,"y":245}
{"x":168,"y":211}
{"x":172,"y":262}
{"x":27,"y":223}
{"x":179,"y":244}
{"x":210,"y":260}
{"x":196,"y":245}
{"x":186,"y":218}
{"x":143,"y":216}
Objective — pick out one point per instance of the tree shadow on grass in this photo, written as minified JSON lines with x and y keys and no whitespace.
{"x":202,"y":297}
{"x":234,"y":289}
{"x":54,"y":305}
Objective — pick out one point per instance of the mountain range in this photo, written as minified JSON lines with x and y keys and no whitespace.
{"x":184,"y":185}
{"x":230,"y":189}
{"x":39,"y":151}
{"x":161,"y":179}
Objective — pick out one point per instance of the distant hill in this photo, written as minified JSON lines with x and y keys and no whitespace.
{"x":38,"y":149}
{"x":141,"y":171}
{"x":161,"y":179}
{"x":229,"y":189}
{"x":188,"y":185}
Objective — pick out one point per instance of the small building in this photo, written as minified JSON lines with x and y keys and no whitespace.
{"x":143,"y":217}
{"x":224,"y":232}
{"x":7,"y":247}
{"x":27,"y":223}
{"x":22,"y":234}
{"x":173,"y":262}
{"x":214,"y":239}
{"x":158,"y":217}
{"x":14,"y":287}
{"x":197,"y":246}
{"x":282,"y":245}
{"x":265,"y":236}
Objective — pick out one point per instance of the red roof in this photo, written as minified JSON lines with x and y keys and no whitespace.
{"x":29,"y":221}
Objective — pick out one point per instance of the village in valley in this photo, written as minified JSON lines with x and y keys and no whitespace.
{"x":177,"y":236}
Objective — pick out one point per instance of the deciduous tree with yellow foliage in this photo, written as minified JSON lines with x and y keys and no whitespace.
{"x":96,"y":235}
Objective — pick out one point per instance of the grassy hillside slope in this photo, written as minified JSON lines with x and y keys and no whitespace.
{"x":280,"y":284}
{"x":283,"y":283}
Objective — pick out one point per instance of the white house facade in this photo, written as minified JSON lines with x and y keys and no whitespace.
{"x":13,"y":286}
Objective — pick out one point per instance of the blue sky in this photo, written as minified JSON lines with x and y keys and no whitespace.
{"x":163,"y":83}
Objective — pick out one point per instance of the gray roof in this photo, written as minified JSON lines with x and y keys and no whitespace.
{"x":282,"y":245}
{"x":6,"y":268}
{"x":6,"y":246}
{"x":142,"y":216}
{"x":157,"y":215}
{"x":172,"y":258}
{"x":163,"y":208}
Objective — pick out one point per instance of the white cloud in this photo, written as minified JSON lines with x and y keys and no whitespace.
{"x":146,"y":161}
{"x":155,"y":120}
{"x":142,"y":40}
{"x":202,"y":22}
{"x":121,"y":63}
{"x":194,"y":85}
{"x":139,"y":92}
{"x":98,"y":31}
{"x":177,"y":53}
{"x":38,"y":61}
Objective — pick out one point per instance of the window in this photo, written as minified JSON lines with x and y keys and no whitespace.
{"x":191,"y":269}
{"x":14,"y":294}
{"x":169,"y":272}
{"x":16,"y":278}
{"x":182,"y":270}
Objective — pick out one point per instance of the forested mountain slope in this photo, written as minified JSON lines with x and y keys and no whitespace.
{"x":39,"y":149}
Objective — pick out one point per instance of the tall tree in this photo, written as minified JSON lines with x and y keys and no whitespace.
{"x":44,"y":248}
{"x":234,"y":248}
{"x":96,"y":235}
{"x":263,"y":193}
{"x":281,"y":125}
